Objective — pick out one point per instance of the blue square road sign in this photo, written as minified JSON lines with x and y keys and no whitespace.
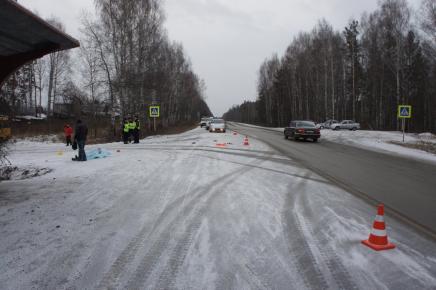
{"x":404,"y":112}
{"x":154,"y":111}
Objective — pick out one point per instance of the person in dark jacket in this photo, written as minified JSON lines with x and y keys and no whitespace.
{"x":136,"y":130}
{"x":80,"y":134}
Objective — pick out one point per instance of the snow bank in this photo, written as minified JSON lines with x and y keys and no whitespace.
{"x":35,"y":140}
{"x":383,"y":141}
{"x":29,"y":117}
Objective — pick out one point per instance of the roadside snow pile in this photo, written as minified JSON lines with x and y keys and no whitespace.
{"x":421,"y":146}
{"x":16,"y":173}
{"x":429,"y":137}
{"x":29,"y":117}
{"x":41,"y":139}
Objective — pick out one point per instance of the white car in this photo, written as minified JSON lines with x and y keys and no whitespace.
{"x":345,"y":124}
{"x":217,"y":125}
{"x":204,"y":122}
{"x":327,"y":124}
{"x":208,"y":123}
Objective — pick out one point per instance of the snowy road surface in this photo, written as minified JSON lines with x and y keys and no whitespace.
{"x":178,"y":212}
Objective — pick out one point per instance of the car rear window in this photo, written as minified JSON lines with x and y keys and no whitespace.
{"x":305,"y":124}
{"x":218,"y":121}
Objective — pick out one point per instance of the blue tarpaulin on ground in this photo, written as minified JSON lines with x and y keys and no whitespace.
{"x":97,"y":153}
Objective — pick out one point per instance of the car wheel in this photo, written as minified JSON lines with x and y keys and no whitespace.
{"x":337,"y":128}
{"x":315,"y":140}
{"x":295,"y":138}
{"x":354,"y":129}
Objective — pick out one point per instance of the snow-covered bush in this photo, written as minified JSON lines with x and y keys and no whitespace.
{"x":3,"y":153}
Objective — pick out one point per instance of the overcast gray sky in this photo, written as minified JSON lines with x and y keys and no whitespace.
{"x":227,"y":40}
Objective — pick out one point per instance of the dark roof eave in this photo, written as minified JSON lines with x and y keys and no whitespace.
{"x":73,"y":43}
{"x":18,"y":49}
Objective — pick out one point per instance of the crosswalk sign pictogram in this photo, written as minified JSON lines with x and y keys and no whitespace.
{"x":404,"y":112}
{"x":154,"y":111}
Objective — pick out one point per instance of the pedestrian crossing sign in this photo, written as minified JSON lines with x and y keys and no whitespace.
{"x":154,"y":111}
{"x":404,"y":112}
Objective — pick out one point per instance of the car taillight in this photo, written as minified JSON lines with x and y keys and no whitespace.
{"x":317,"y":131}
{"x":300,"y":130}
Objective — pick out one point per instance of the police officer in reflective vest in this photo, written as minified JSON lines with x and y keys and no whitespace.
{"x":126,"y":129}
{"x":136,"y":130}
{"x":132,"y":126}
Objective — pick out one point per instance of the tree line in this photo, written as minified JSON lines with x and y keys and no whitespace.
{"x":364,"y":72}
{"x":125,"y":64}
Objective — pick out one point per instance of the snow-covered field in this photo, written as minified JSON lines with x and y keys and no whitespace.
{"x":181,"y":212}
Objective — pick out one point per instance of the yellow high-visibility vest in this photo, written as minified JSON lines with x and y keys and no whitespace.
{"x":126,"y":127}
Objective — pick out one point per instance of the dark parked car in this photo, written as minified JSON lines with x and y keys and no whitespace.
{"x":302,"y":130}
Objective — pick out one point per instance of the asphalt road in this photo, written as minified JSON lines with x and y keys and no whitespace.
{"x":406,"y":186}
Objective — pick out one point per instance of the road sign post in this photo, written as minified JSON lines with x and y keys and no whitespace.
{"x":404,"y":112}
{"x":154,"y":113}
{"x":404,"y":128}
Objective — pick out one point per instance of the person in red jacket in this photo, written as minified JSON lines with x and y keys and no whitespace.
{"x":68,"y":131}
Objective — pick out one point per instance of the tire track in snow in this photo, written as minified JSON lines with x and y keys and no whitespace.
{"x":177,"y":257}
{"x":159,"y":246}
{"x":297,"y":243}
{"x":110,"y":279}
{"x":318,"y":256}
{"x":333,"y":262}
{"x":196,"y":211}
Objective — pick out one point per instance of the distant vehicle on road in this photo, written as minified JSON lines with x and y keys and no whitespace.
{"x":327,"y":124}
{"x":217,"y":125}
{"x":302,"y":130}
{"x":203,"y":122}
{"x":346,"y":124}
{"x":208,"y":122}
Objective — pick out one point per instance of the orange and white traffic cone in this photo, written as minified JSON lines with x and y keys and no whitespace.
{"x":378,"y":238}
{"x":246,"y":141}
